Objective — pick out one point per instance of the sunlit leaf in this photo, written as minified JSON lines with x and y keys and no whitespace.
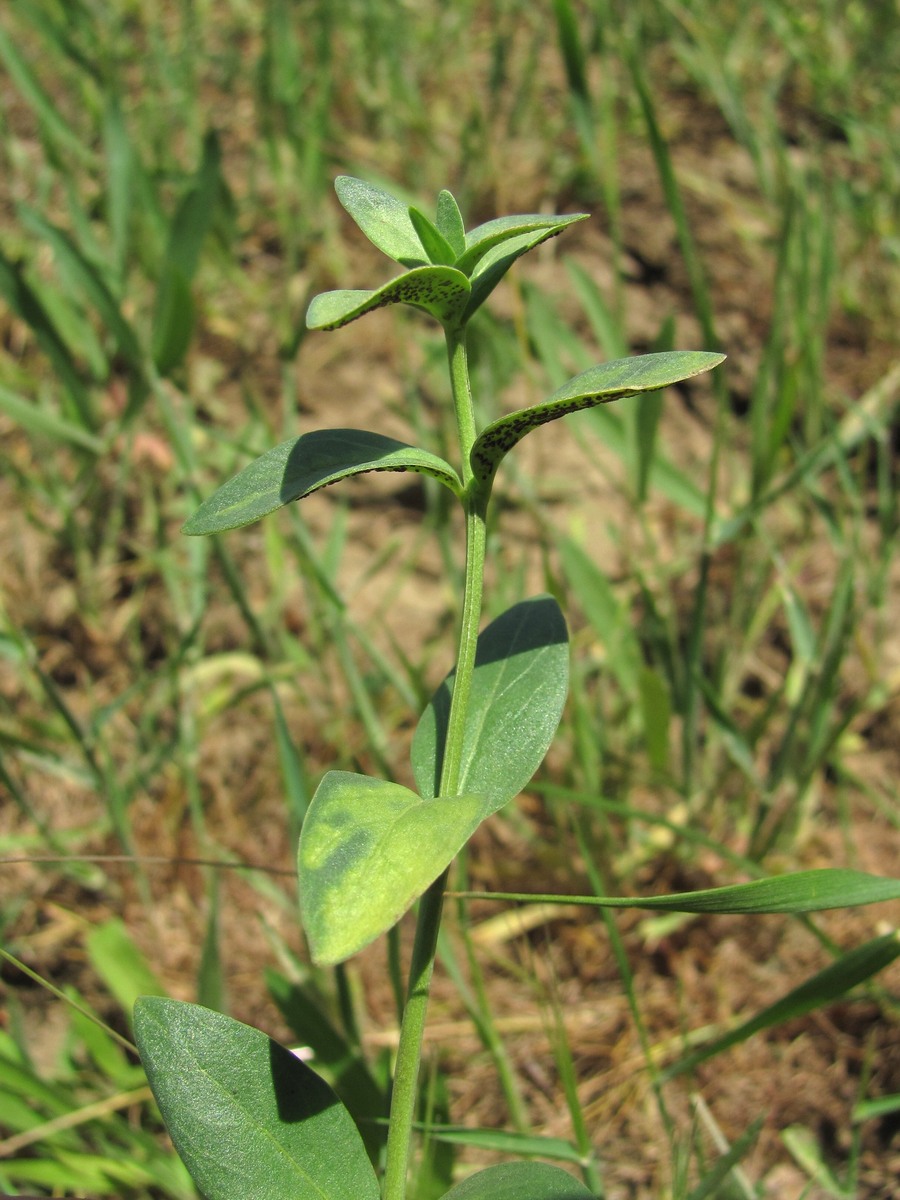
{"x":368,"y":849}
{"x":441,"y":291}
{"x":537,"y":227}
{"x":599,"y":385}
{"x":301,"y":466}
{"x":517,"y":696}
{"x":383,"y":219}
{"x":450,"y":222}
{"x":438,"y":249}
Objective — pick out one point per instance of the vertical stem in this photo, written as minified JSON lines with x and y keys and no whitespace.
{"x":409,"y":1051}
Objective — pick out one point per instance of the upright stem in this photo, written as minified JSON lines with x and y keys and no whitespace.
{"x":409,"y":1051}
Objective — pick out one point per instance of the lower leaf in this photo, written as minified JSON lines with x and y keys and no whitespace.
{"x":520,"y":1181}
{"x":246,"y":1115}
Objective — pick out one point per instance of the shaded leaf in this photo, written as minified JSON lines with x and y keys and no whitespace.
{"x":368,"y":849}
{"x":441,"y":291}
{"x":438,"y":249}
{"x":518,"y":692}
{"x":302,"y":465}
{"x":520,"y":1181}
{"x":383,"y":219}
{"x":246,"y":1115}
{"x":599,"y":385}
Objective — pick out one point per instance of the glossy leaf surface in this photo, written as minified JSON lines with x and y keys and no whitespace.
{"x":368,"y":849}
{"x":518,"y":691}
{"x":246,"y":1115}
{"x":301,"y":466}
{"x":383,"y":219}
{"x":441,"y":291}
{"x":520,"y":1181}
{"x":599,"y":385}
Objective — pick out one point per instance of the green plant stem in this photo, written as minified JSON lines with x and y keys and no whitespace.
{"x":409,"y":1050}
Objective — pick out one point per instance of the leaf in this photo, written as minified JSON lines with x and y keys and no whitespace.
{"x":852,"y":968}
{"x":173,"y":319}
{"x":438,"y":249}
{"x":368,"y":849}
{"x":518,"y":692}
{"x":799,"y":892}
{"x":497,"y":261}
{"x":538,"y":227}
{"x":441,"y":291}
{"x":599,"y":385}
{"x":520,"y":1181}
{"x":247,"y":1117}
{"x":383,"y":219}
{"x":302,"y":465}
{"x":450,"y":222}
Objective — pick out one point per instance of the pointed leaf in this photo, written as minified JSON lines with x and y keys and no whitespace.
{"x":438,"y":249}
{"x":599,"y":385}
{"x":798,"y":892}
{"x":248,"y":1117}
{"x":840,"y":977}
{"x":536,"y":226}
{"x":441,"y":291}
{"x":301,"y":466}
{"x":383,"y":219}
{"x":450,"y":222}
{"x":518,"y":692}
{"x":368,"y":849}
{"x":520,"y":1181}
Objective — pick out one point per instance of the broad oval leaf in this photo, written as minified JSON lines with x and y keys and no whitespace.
{"x":538,"y":226}
{"x":383,"y":219}
{"x":368,"y":849}
{"x":520,"y":1181}
{"x":441,"y":291}
{"x":301,"y":466}
{"x":518,"y":692}
{"x":246,"y":1115}
{"x":599,"y":385}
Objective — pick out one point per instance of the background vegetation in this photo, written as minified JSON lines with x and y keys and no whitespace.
{"x":165,"y":214}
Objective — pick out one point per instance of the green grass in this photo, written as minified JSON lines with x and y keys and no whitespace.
{"x":165,"y":213}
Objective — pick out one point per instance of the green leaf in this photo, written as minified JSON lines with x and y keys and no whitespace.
{"x":496,"y":262}
{"x":247,"y":1117}
{"x":438,"y":249}
{"x":368,"y":849}
{"x":85,"y":273}
{"x":520,"y":1181}
{"x":852,"y":968}
{"x":302,"y":465}
{"x":450,"y":222}
{"x":536,"y":227}
{"x":518,"y":691}
{"x":441,"y":291}
{"x":121,"y":965}
{"x":348,"y":1071}
{"x":173,"y":319}
{"x":383,"y":219}
{"x":599,"y":385}
{"x":800,"y":892}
